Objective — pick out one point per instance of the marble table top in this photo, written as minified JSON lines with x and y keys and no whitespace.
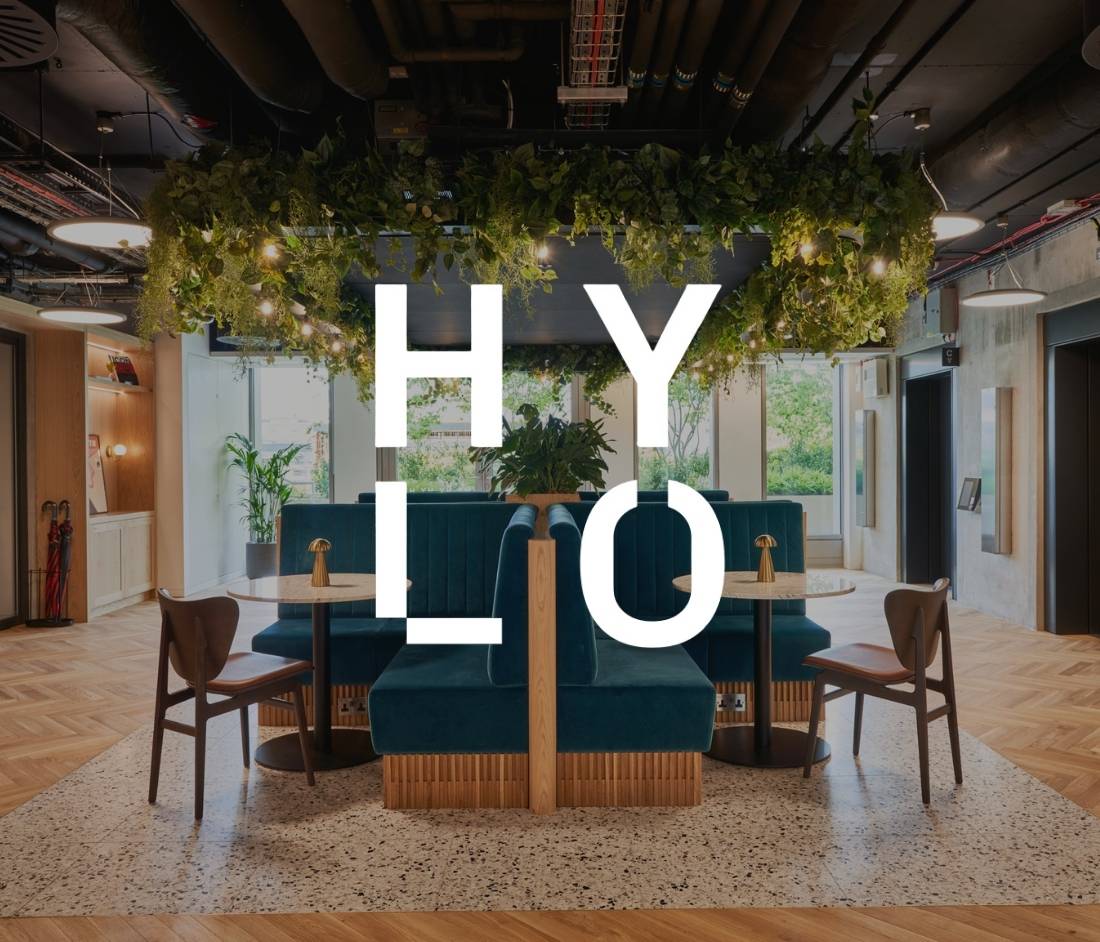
{"x":344,"y":587}
{"x":787,"y":585}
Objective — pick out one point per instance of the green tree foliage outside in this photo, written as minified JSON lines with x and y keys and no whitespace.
{"x":687,"y":457}
{"x":800,"y":416}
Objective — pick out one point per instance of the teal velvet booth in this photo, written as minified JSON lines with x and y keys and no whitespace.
{"x":454,"y":497}
{"x":653,"y":545}
{"x":453,"y":552}
{"x":611,"y":698}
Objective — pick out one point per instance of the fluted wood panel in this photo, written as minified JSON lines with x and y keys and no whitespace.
{"x":790,"y":701}
{"x":454,"y":781}
{"x":277,"y":716}
{"x":542,"y":674}
{"x":582,"y":780}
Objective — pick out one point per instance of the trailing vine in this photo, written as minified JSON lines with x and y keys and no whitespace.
{"x":263,"y":242}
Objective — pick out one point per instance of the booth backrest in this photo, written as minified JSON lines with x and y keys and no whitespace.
{"x":653,"y":545}
{"x":577,"y":662}
{"x":648,"y":497}
{"x":508,"y":660}
{"x":439,"y":497}
{"x":453,"y":552}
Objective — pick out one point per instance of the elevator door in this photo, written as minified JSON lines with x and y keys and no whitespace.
{"x":12,"y":461}
{"x":928,"y":530}
{"x":1073,"y":488}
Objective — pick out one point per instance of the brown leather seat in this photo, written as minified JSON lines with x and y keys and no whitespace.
{"x":244,"y":669}
{"x":871,"y":661}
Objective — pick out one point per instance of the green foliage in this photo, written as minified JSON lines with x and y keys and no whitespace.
{"x":659,"y":212}
{"x":551,"y":457}
{"x":265,"y":488}
{"x":800,"y":413}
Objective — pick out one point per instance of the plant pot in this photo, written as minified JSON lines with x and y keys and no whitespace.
{"x":260,"y":559}
{"x":542,"y":502}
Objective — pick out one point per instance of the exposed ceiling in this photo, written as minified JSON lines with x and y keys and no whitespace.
{"x":1015,"y":109}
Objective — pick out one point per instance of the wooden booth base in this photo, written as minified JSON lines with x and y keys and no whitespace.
{"x":584,"y":780}
{"x":349,"y":707}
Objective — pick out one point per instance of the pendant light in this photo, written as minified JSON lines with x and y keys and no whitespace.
{"x":81,"y":314}
{"x":1003,"y":297}
{"x":102,"y":232}
{"x":947,"y":224}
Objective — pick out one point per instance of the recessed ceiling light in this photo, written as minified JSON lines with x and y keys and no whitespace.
{"x":102,"y":232}
{"x":77,"y":314}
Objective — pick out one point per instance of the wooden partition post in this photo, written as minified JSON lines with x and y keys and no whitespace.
{"x":542,"y":676}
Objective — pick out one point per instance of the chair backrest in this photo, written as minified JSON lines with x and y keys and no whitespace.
{"x":903,"y":608}
{"x":201,"y":625}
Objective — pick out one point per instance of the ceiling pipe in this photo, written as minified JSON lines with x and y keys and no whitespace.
{"x":799,"y":65}
{"x":1090,"y":48}
{"x":664,"y":53}
{"x":745,"y":29}
{"x":16,"y":247}
{"x":693,"y":46}
{"x":341,"y":45}
{"x":876,"y":44}
{"x":903,"y":73}
{"x":1039,"y":125}
{"x":738,"y":93}
{"x":528,"y":12}
{"x":36,"y":235}
{"x":387,"y":17}
{"x":641,"y":51}
{"x":276,"y":64}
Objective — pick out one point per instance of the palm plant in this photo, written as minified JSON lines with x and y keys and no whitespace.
{"x":265,"y":489}
{"x":555,"y":457}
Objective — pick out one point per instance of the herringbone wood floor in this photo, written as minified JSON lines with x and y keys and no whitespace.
{"x":67,"y":694}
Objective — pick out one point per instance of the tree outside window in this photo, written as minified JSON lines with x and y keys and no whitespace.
{"x":687,"y":458}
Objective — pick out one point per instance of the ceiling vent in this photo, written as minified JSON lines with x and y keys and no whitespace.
{"x":27,"y":32}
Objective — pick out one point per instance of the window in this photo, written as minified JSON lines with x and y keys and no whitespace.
{"x":438,"y":456}
{"x":291,"y":406}
{"x":689,"y":455}
{"x":803,"y":440}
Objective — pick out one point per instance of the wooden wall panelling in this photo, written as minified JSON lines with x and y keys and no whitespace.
{"x":60,"y":403}
{"x":630,"y":779}
{"x":790,"y":701}
{"x":542,"y":674}
{"x":454,"y":781}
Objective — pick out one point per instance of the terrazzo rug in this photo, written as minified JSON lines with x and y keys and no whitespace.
{"x":856,"y":834}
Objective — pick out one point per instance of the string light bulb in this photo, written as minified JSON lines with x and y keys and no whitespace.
{"x":266,"y":308}
{"x":307,"y":329}
{"x":270,"y":251}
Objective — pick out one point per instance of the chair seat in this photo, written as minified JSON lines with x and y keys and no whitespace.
{"x":245,"y":669}
{"x":868,"y":661}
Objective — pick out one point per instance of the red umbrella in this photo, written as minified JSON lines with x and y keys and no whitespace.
{"x":53,"y":565}
{"x":66,"y":557}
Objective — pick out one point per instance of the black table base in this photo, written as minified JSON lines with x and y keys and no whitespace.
{"x":347,"y":748}
{"x":786,"y":750}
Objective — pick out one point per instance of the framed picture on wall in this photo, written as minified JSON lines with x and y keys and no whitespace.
{"x":97,"y":486}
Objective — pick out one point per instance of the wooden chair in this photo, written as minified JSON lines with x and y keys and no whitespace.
{"x":196,"y":637}
{"x":917,"y":619}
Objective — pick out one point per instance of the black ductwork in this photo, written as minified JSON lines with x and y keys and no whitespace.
{"x":664,"y":53}
{"x":530,"y":11}
{"x":799,"y":65}
{"x":152,"y":44}
{"x":1038,"y":126}
{"x":697,"y":36}
{"x":738,"y":75}
{"x":274,"y":62}
{"x":36,"y":235}
{"x":641,"y":51}
{"x":340,"y":43}
{"x":387,"y":17}
{"x":1090,"y":48}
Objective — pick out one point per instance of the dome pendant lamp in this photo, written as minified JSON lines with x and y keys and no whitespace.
{"x":993,"y":296}
{"x":947,"y":224}
{"x":102,"y":232}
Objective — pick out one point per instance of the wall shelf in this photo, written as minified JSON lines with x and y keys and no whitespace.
{"x":109,"y":385}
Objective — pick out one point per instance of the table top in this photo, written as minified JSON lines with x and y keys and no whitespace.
{"x":787,"y":585}
{"x":345,"y":587}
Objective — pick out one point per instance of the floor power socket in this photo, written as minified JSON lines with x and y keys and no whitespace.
{"x":352,"y":706}
{"x":733,"y":702}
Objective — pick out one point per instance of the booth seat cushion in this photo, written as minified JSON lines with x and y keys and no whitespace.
{"x":439,"y":699}
{"x":360,"y":647}
{"x":730,"y":647}
{"x":642,"y":700}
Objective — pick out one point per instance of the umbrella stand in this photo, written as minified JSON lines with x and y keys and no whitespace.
{"x":48,"y":588}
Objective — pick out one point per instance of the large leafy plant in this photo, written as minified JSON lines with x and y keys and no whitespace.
{"x":551,"y":457}
{"x":265,"y":488}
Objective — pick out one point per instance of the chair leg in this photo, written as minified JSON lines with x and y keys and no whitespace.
{"x":200,"y":762}
{"x":922,"y":750}
{"x":956,"y":753}
{"x":815,"y":716}
{"x":244,"y":735}
{"x":154,"y":766}
{"x":859,"y":723}
{"x":303,"y":733}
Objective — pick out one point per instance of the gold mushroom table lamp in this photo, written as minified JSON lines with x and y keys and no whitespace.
{"x":766,"y":571}
{"x":319,"y":547}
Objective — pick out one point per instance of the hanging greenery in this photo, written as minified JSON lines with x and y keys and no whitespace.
{"x":264,"y":242}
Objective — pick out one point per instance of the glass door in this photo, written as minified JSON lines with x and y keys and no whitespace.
{"x":13,"y":517}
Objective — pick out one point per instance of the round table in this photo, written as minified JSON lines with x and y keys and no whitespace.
{"x":332,"y":748}
{"x":763,"y":745}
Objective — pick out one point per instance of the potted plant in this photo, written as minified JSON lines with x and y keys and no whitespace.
{"x":263,"y":495}
{"x":544,"y":463}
